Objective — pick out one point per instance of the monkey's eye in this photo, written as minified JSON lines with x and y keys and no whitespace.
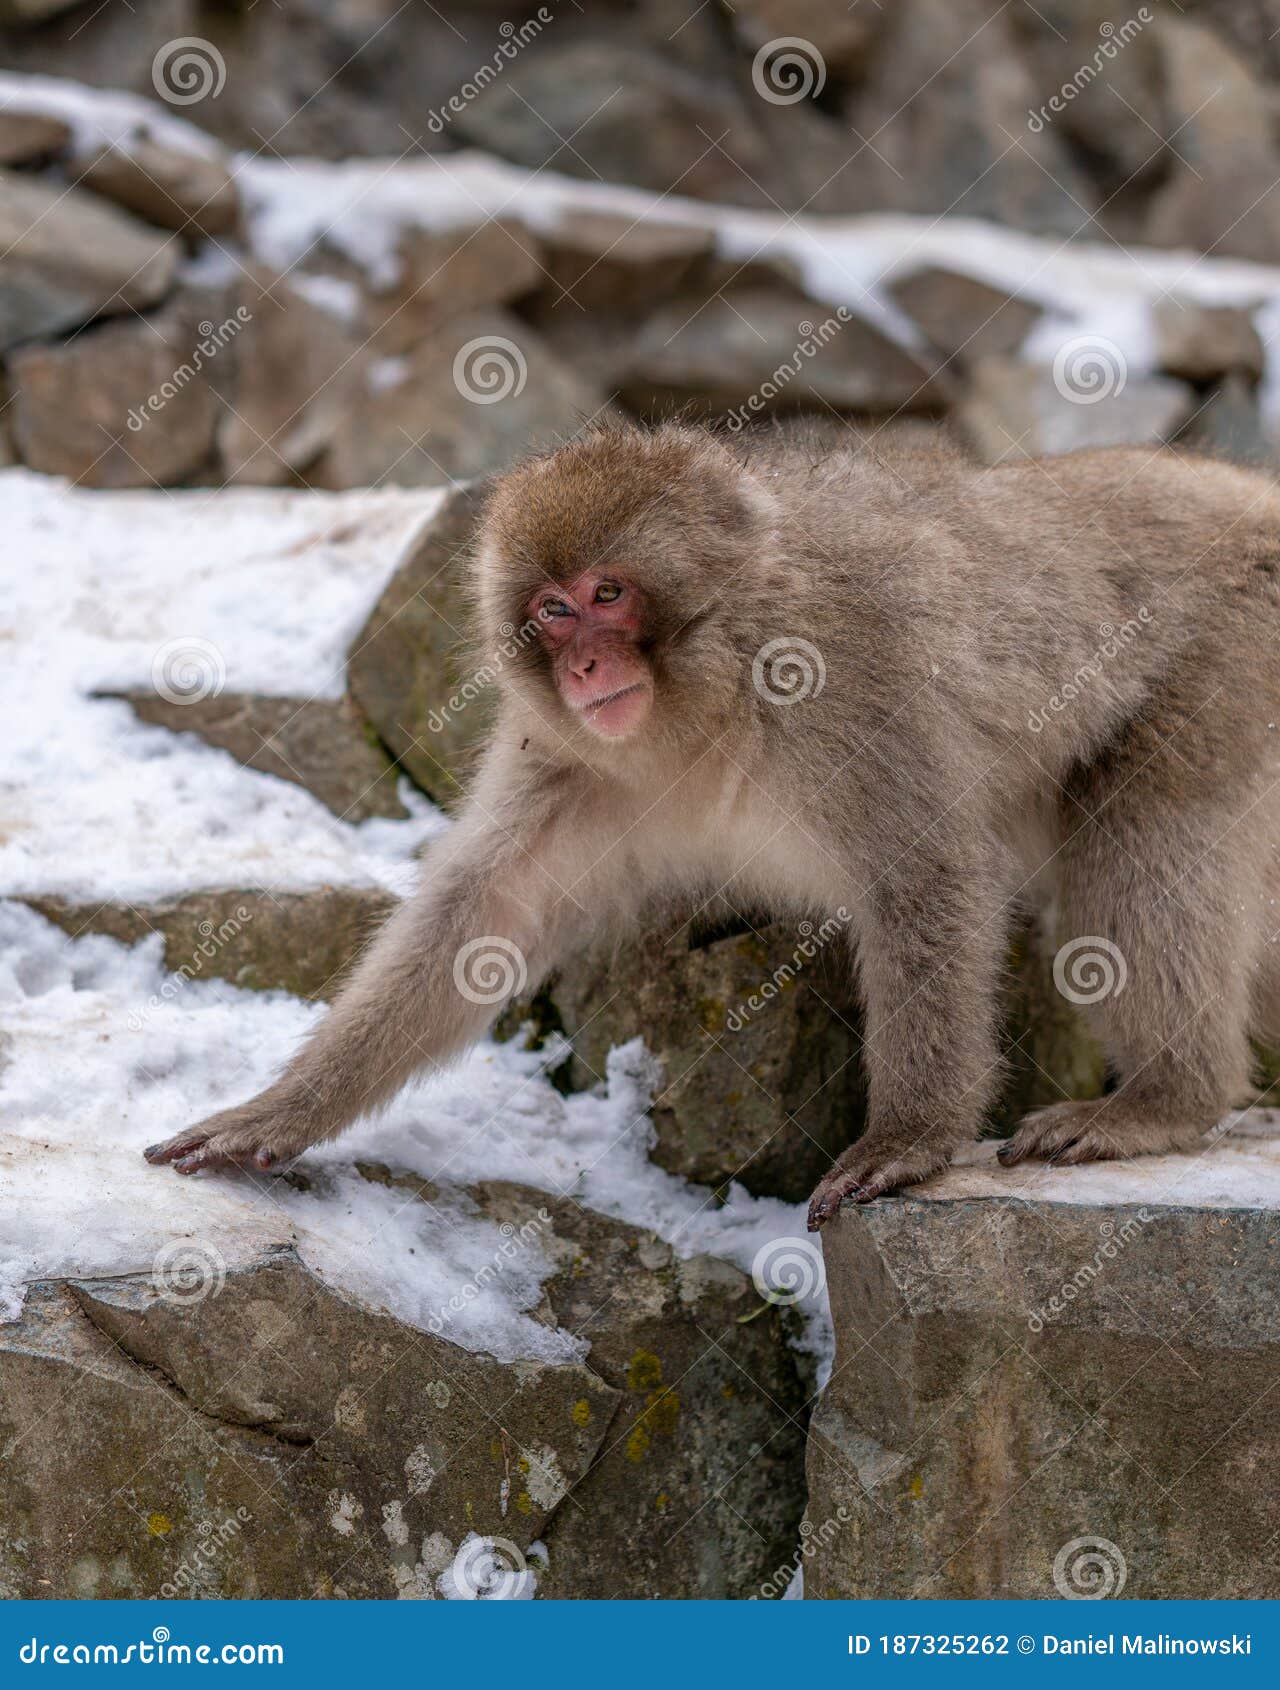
{"x":554,"y":607}
{"x":607,"y":592}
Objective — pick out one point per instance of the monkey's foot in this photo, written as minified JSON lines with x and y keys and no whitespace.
{"x":863,"y":1173}
{"x":237,"y":1138}
{"x":1107,"y":1129}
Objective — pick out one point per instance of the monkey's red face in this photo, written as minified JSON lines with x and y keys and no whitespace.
{"x":591,"y":630}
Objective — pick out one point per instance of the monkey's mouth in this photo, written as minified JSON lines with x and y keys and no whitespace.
{"x":611,"y":698}
{"x":616,"y":714}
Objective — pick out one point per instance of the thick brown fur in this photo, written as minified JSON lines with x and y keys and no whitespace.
{"x":1054,"y":683}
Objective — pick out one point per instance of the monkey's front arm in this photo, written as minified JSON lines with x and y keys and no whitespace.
{"x":503,"y":898}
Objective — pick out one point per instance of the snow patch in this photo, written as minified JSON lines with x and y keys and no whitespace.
{"x":241,"y":591}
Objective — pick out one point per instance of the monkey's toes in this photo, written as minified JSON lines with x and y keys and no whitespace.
{"x":1062,"y":1134}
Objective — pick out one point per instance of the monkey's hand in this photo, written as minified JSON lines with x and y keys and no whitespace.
{"x":872,"y":1167}
{"x":252,"y":1136}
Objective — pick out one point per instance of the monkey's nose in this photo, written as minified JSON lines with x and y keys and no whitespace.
{"x":583,"y":667}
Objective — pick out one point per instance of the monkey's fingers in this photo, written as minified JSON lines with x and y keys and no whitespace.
{"x":201,"y":1147}
{"x":179,"y":1146}
{"x":867,"y":1178}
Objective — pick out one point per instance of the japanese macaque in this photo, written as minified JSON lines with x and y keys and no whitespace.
{"x":890,"y":681}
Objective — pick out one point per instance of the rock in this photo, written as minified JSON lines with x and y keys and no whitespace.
{"x":446,"y":272}
{"x":946,"y":100}
{"x":126,"y":404}
{"x":271,"y":1437}
{"x":262,"y":939}
{"x":1200,"y":343}
{"x":297,"y":371}
{"x":28,"y":137}
{"x":322,"y":744}
{"x":191,"y":192}
{"x":1218,"y":197}
{"x":1096,"y":79}
{"x":964,"y":319}
{"x":755,"y":350}
{"x":697,"y":1488}
{"x":65,"y":258}
{"x":480,"y":391}
{"x":27,"y":12}
{"x":759,"y":1037}
{"x":1023,"y":410}
{"x":607,"y":262}
{"x":407,"y":671}
{"x":1022,"y":1355}
{"x":616,"y":114}
{"x":1229,"y":424}
{"x":842,"y":34}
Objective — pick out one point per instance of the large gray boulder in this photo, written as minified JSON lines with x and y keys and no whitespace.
{"x":1013,"y":410}
{"x":128,"y":403}
{"x":1054,"y":1382}
{"x":408,"y":670}
{"x":250,"y":1431}
{"x":67,"y":256}
{"x":759,"y":1037}
{"x":299,"y":942}
{"x":321,"y":744}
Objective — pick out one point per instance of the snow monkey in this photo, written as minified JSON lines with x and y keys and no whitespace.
{"x":887,"y":680}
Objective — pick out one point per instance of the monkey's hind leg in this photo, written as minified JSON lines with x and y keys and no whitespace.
{"x":1158,"y":923}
